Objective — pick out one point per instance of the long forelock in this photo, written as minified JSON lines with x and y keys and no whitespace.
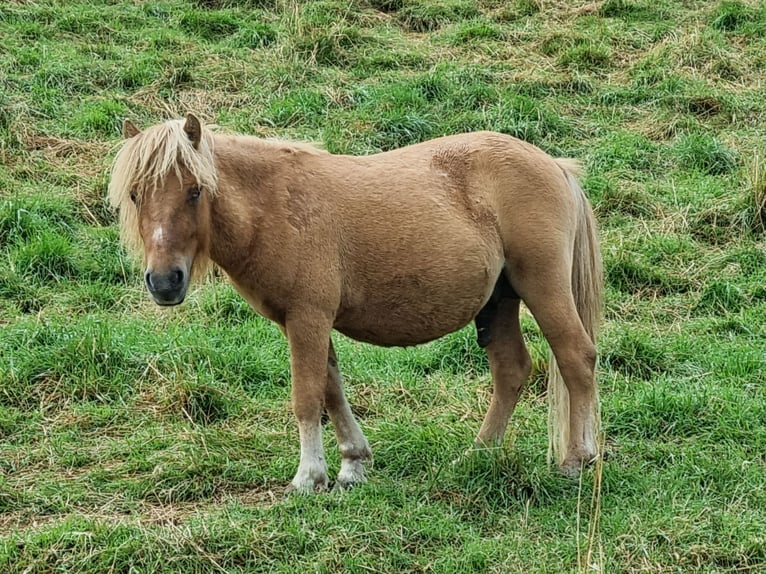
{"x":146,"y":160}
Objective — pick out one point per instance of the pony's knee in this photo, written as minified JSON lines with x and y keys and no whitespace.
{"x":308,"y":407}
{"x":586,"y":356}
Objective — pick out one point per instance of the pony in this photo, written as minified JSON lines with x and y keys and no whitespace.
{"x":394,"y":249}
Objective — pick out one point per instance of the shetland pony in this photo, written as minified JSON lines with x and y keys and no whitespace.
{"x":393,"y":249}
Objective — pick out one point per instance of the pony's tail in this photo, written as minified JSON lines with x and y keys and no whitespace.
{"x":587,"y":288}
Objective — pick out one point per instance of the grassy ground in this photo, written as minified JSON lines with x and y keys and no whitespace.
{"x":139,"y":440}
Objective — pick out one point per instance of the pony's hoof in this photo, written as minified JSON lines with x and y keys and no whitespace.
{"x":573,"y":465}
{"x":306,"y":488}
{"x":351,"y":473}
{"x":308,"y":485}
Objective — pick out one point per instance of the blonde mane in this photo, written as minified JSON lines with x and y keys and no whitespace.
{"x":145,"y":160}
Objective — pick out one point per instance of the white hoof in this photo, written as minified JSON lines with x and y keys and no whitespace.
{"x":351,"y":473}
{"x":308,"y":482}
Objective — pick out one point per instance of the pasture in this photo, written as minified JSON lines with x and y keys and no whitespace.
{"x":140,"y":439}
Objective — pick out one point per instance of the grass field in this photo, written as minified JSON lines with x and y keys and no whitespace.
{"x":135,"y":439}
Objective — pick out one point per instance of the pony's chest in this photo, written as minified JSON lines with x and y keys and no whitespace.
{"x":263,"y":305}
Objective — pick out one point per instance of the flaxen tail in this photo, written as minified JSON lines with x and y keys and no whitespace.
{"x":587,"y":288}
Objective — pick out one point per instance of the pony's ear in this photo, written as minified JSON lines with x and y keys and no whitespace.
{"x":129,"y":129}
{"x":193,"y":129}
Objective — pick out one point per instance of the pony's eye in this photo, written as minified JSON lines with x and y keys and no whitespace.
{"x":133,"y":196}
{"x":194,"y":193}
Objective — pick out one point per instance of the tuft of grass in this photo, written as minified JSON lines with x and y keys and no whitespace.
{"x":398,"y":128}
{"x":202,"y":404}
{"x":635,"y":273}
{"x":529,"y":120}
{"x":256,"y":35}
{"x":456,"y":354}
{"x":704,"y":153}
{"x":430,"y":15}
{"x":49,"y":256}
{"x":626,"y":9}
{"x":223,"y":4}
{"x":101,"y":117}
{"x":13,"y":421}
{"x":211,"y":25}
{"x":623,"y":150}
{"x":586,"y":56}
{"x":80,"y":361}
{"x":395,"y":115}
{"x":297,"y":107}
{"x":750,"y":259}
{"x":611,"y":197}
{"x":97,"y":295}
{"x":222,"y":303}
{"x":139,"y":72}
{"x":715,"y":224}
{"x":387,"y":5}
{"x":475,"y":31}
{"x":637,"y":355}
{"x":327,"y":33}
{"x":721,"y":297}
{"x":735,"y":16}
{"x":527,"y":7}
{"x":25,"y":217}
{"x":333,"y":48}
{"x":752,"y":209}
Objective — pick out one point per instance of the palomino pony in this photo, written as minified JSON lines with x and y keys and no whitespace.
{"x":392,"y":249}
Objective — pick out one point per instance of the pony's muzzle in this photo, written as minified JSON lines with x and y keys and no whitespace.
{"x":167,"y":287}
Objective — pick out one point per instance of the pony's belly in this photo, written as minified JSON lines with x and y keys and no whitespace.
{"x":402,"y":321}
{"x":416,"y":331}
{"x":440,"y":289}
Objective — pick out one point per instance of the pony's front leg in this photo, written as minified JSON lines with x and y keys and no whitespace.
{"x":354,"y":449}
{"x":308,"y":334}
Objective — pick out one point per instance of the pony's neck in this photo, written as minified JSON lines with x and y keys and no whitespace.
{"x":254,"y":176}
{"x":240,"y":201}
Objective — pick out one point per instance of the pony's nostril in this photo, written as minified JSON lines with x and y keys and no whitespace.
{"x":177,"y":277}
{"x":148,"y":279}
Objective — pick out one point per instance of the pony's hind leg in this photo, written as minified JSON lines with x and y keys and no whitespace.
{"x":510,"y":366}
{"x":548,"y":295}
{"x":354,"y":449}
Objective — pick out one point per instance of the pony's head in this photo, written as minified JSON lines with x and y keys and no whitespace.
{"x":163,"y":181}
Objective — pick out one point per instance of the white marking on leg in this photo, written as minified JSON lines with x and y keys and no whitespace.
{"x":351,"y":473}
{"x":312,"y":470}
{"x":354,"y":448}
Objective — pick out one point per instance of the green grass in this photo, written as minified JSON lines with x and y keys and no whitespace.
{"x":139,"y":439}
